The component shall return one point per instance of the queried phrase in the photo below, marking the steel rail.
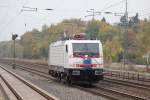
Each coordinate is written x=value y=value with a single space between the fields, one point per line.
x=91 y=91
x=37 y=89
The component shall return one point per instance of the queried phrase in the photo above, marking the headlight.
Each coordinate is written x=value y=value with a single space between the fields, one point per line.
x=98 y=72
x=75 y=72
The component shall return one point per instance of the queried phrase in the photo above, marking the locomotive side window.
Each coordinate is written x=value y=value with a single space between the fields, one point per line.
x=67 y=48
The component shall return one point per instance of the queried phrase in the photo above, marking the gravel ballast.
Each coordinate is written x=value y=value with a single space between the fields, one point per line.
x=61 y=91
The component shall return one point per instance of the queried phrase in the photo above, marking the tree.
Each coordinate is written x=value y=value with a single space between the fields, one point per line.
x=35 y=43
x=103 y=20
x=92 y=29
x=134 y=20
x=112 y=50
x=123 y=20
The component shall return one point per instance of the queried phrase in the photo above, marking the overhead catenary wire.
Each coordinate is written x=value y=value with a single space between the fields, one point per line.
x=24 y=8
x=108 y=3
x=93 y=13
x=144 y=10
x=113 y=5
x=14 y=6
x=120 y=13
x=10 y=21
x=145 y=14
x=4 y=5
x=104 y=9
x=14 y=17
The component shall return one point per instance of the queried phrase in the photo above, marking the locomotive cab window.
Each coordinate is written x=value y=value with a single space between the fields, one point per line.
x=82 y=49
x=67 y=48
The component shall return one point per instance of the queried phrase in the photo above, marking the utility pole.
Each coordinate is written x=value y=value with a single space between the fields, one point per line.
x=147 y=61
x=146 y=57
x=125 y=22
x=125 y=42
x=14 y=36
x=93 y=14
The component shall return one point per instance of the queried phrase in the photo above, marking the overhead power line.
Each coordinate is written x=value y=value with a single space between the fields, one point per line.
x=24 y=8
x=93 y=13
x=27 y=8
x=108 y=3
x=10 y=21
x=145 y=10
x=145 y=14
x=113 y=5
x=3 y=5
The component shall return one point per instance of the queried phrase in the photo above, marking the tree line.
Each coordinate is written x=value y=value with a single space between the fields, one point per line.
x=34 y=44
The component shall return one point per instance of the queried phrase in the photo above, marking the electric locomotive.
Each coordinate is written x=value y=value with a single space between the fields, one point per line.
x=76 y=60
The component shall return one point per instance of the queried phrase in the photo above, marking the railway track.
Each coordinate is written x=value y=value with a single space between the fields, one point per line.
x=44 y=68
x=18 y=88
x=98 y=90
x=119 y=94
x=29 y=67
x=108 y=93
x=121 y=82
x=114 y=95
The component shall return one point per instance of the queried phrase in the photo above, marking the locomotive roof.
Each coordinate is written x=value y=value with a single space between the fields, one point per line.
x=83 y=41
x=75 y=41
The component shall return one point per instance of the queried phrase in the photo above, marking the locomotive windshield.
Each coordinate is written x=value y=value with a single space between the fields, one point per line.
x=82 y=49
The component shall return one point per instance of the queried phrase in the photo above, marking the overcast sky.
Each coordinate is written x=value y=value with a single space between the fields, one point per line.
x=12 y=20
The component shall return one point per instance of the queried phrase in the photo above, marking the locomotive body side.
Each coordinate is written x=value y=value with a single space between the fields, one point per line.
x=57 y=56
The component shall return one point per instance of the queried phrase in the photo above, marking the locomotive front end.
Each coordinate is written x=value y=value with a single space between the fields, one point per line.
x=86 y=61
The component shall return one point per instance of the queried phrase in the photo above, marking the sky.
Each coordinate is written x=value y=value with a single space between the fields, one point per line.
x=15 y=21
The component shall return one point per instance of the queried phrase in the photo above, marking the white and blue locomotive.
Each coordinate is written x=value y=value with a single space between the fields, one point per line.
x=76 y=60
